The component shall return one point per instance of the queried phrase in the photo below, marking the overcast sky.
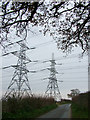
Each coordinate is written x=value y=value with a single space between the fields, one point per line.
x=74 y=67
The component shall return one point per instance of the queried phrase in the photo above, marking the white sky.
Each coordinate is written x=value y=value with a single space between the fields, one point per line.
x=75 y=69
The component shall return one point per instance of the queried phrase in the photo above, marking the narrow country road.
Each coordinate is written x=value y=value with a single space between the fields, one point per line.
x=63 y=111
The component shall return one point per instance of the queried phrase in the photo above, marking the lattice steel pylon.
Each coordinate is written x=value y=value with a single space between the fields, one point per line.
x=52 y=88
x=19 y=85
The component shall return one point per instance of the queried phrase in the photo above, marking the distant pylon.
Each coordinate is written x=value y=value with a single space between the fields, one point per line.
x=52 y=88
x=19 y=85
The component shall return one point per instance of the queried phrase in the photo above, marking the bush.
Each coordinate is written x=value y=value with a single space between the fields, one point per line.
x=26 y=104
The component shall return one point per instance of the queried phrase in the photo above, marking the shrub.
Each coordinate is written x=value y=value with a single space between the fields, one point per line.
x=26 y=104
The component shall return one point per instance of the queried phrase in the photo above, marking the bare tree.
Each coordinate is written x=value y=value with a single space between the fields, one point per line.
x=67 y=22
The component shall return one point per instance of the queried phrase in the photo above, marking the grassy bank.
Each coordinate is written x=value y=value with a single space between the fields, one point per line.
x=79 y=111
x=27 y=107
x=80 y=105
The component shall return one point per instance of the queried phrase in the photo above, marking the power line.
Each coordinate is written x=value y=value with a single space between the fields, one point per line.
x=6 y=75
x=75 y=67
x=38 y=82
x=43 y=69
x=37 y=61
x=45 y=61
x=31 y=48
x=73 y=77
x=12 y=43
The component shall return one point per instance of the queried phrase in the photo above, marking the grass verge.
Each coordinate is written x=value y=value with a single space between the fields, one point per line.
x=32 y=114
x=79 y=111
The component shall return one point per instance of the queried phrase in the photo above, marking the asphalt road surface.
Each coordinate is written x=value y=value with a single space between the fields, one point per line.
x=63 y=111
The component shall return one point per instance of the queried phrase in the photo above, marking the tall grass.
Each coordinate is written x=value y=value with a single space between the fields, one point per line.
x=15 y=107
x=80 y=105
x=79 y=111
x=82 y=99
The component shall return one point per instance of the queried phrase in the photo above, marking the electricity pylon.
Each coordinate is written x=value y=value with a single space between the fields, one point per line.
x=52 y=88
x=19 y=85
